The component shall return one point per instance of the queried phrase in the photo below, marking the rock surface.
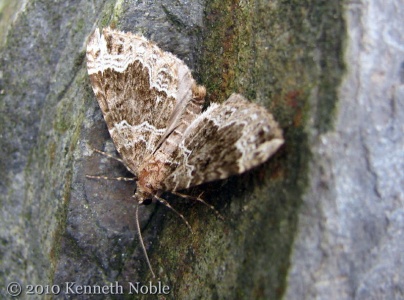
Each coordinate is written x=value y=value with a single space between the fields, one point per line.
x=349 y=241
x=323 y=219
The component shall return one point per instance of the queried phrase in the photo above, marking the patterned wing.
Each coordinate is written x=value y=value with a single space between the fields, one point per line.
x=142 y=91
x=224 y=140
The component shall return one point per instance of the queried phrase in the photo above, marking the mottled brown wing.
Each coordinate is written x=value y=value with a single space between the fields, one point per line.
x=225 y=140
x=142 y=91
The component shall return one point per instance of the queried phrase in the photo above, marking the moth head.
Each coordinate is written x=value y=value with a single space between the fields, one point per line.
x=143 y=197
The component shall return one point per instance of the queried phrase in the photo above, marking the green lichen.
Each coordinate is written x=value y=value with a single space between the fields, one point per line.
x=117 y=12
x=60 y=229
x=74 y=126
x=111 y=14
x=79 y=26
x=8 y=9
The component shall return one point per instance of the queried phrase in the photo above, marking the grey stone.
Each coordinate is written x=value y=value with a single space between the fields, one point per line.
x=349 y=242
x=323 y=219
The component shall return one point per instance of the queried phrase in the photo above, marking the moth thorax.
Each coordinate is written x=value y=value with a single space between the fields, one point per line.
x=151 y=174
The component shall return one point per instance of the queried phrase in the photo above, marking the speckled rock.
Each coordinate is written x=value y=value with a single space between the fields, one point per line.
x=323 y=219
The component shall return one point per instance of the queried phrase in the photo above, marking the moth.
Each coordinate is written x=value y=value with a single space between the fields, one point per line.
x=153 y=110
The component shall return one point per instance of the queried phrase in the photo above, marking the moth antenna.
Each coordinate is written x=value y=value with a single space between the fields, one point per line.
x=165 y=203
x=141 y=240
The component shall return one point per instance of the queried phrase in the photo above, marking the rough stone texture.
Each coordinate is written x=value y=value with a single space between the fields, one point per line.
x=42 y=108
x=323 y=219
x=349 y=241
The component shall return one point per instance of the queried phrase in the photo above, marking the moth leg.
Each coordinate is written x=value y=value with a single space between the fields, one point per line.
x=107 y=155
x=164 y=202
x=112 y=178
x=199 y=199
